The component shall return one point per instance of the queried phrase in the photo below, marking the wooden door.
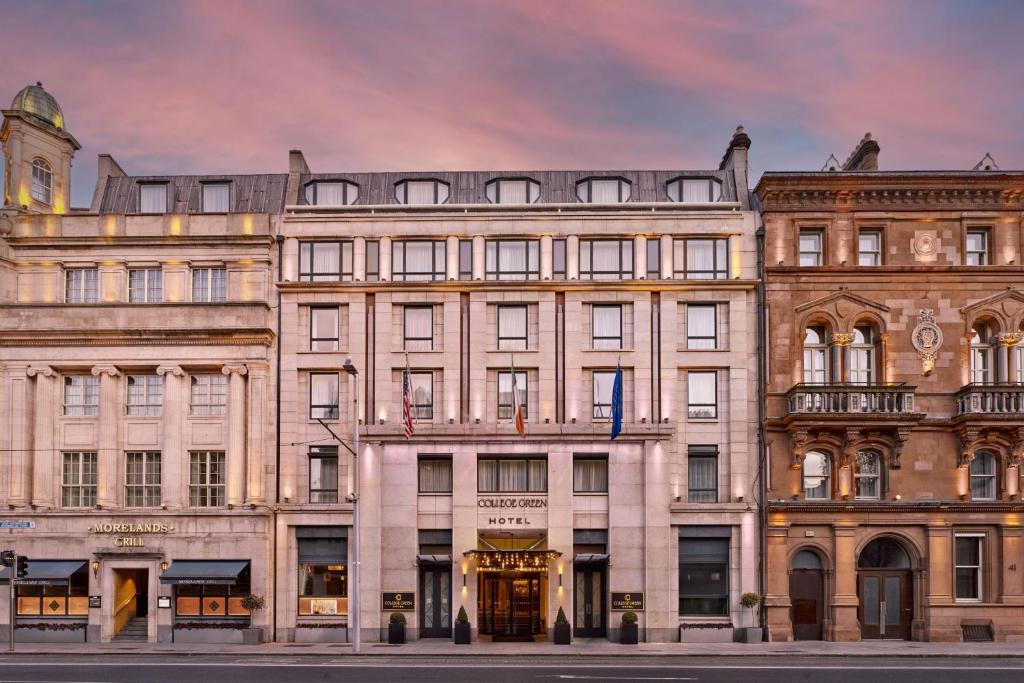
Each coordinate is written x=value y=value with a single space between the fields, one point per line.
x=886 y=605
x=807 y=595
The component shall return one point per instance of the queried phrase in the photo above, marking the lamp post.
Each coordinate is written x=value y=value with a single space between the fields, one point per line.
x=354 y=498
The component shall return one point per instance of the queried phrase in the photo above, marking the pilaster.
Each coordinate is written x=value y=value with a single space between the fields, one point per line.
x=235 y=459
x=173 y=458
x=44 y=471
x=109 y=419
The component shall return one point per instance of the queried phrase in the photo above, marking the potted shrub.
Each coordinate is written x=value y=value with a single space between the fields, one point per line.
x=563 y=632
x=252 y=635
x=751 y=634
x=462 y=633
x=630 y=633
x=396 y=629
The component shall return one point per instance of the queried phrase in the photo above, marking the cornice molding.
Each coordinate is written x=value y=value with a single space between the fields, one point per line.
x=892 y=193
x=175 y=337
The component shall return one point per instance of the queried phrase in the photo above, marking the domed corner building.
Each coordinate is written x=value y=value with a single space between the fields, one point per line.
x=38 y=152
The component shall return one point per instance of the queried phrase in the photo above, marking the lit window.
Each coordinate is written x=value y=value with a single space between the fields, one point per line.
x=977 y=248
x=869 y=248
x=81 y=395
x=418 y=261
x=153 y=198
x=811 y=247
x=968 y=567
x=323 y=396
x=418 y=192
x=81 y=285
x=145 y=285
x=323 y=474
x=606 y=327
x=323 y=328
x=694 y=190
x=206 y=479
x=145 y=394
x=209 y=285
x=983 y=476
x=867 y=476
x=606 y=259
x=142 y=479
x=512 y=260
x=325 y=261
x=331 y=193
x=603 y=191
x=512 y=328
x=216 y=197
x=42 y=181
x=513 y=191
x=702 y=394
x=78 y=480
x=701 y=326
x=702 y=259
x=816 y=475
x=209 y=394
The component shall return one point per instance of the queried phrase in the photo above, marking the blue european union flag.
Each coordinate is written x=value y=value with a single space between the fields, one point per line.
x=617 y=404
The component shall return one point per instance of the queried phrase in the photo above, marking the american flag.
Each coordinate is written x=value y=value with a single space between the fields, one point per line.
x=407 y=400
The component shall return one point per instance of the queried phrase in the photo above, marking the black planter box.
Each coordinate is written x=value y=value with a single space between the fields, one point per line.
x=462 y=633
x=629 y=635
x=396 y=634
x=563 y=634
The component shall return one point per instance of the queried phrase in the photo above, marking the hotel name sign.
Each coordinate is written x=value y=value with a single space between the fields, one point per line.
x=504 y=511
x=128 y=534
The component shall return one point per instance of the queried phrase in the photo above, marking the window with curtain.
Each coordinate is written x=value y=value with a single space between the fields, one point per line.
x=506 y=404
x=331 y=193
x=606 y=259
x=868 y=476
x=145 y=394
x=701 y=326
x=78 y=479
x=815 y=355
x=702 y=469
x=862 y=355
x=982 y=355
x=419 y=328
x=145 y=285
x=421 y=192
x=606 y=326
x=323 y=328
x=512 y=475
x=702 y=259
x=323 y=395
x=968 y=567
x=816 y=476
x=42 y=181
x=512 y=260
x=435 y=474
x=869 y=248
x=81 y=286
x=513 y=191
x=604 y=384
x=422 y=395
x=694 y=190
x=653 y=258
x=372 y=260
x=702 y=394
x=811 y=249
x=207 y=478
x=983 y=476
x=977 y=248
x=465 y=259
x=590 y=474
x=209 y=285
x=704 y=576
x=81 y=395
x=142 y=479
x=153 y=198
x=558 y=268
x=216 y=197
x=209 y=394
x=325 y=261
x=323 y=474
x=603 y=190
x=418 y=261
x=512 y=328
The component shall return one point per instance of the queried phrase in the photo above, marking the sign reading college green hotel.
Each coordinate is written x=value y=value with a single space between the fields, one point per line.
x=631 y=602
x=398 y=601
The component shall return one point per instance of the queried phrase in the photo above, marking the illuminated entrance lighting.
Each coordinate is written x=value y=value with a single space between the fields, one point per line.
x=512 y=560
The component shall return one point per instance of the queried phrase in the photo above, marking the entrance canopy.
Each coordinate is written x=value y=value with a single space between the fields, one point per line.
x=512 y=560
x=423 y=559
x=192 y=572
x=46 y=572
x=590 y=558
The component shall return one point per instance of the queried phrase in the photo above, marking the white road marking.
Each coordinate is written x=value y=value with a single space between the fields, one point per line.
x=574 y=677
x=255 y=663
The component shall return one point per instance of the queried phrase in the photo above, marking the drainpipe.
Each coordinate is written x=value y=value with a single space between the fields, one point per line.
x=279 y=238
x=762 y=449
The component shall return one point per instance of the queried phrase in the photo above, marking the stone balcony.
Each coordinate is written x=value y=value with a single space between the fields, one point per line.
x=849 y=399
x=992 y=400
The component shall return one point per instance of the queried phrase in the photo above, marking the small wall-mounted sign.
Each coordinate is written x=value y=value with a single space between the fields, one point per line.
x=95 y=601
x=398 y=601
x=163 y=602
x=633 y=602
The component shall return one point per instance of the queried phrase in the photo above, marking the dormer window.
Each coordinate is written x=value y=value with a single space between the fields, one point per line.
x=153 y=198
x=331 y=193
x=42 y=181
x=420 y=192
x=216 y=197
x=603 y=190
x=513 y=191
x=694 y=190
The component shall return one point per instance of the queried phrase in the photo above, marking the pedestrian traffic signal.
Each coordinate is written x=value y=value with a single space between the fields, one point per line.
x=21 y=570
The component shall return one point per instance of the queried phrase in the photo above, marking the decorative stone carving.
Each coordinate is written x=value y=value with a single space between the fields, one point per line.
x=927 y=339
x=237 y=368
x=842 y=338
x=1009 y=338
x=174 y=370
x=100 y=370
x=44 y=370
x=926 y=246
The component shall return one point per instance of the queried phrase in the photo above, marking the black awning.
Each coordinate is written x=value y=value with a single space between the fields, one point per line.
x=433 y=559
x=46 y=572
x=186 y=572
x=590 y=558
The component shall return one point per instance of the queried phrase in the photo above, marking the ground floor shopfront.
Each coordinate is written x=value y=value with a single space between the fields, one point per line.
x=937 y=572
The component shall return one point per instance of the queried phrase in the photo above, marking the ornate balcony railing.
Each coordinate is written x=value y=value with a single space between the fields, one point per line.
x=998 y=399
x=818 y=399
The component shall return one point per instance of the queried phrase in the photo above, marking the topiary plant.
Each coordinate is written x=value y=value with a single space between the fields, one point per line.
x=397 y=618
x=750 y=600
x=253 y=603
x=629 y=618
x=462 y=618
x=560 y=619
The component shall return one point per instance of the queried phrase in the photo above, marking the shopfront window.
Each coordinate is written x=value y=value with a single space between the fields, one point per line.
x=323 y=571
x=212 y=600
x=703 y=576
x=56 y=597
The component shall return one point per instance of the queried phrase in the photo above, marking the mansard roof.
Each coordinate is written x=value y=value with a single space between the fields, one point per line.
x=249 y=193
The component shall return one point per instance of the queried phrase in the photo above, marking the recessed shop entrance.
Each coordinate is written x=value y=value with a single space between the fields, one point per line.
x=131 y=603
x=512 y=604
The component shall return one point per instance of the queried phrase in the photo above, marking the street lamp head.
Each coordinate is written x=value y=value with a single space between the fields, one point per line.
x=349 y=367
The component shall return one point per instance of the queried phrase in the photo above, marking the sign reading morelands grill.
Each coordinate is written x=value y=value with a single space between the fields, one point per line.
x=398 y=601
x=632 y=602
x=504 y=511
x=129 y=534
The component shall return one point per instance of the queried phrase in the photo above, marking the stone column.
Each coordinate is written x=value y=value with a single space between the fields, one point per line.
x=841 y=356
x=235 y=459
x=359 y=259
x=18 y=437
x=173 y=460
x=667 y=257
x=572 y=257
x=110 y=417
x=640 y=257
x=258 y=436
x=479 y=256
x=452 y=258
x=776 y=598
x=546 y=257
x=845 y=626
x=384 y=259
x=45 y=475
x=940 y=580
x=1007 y=342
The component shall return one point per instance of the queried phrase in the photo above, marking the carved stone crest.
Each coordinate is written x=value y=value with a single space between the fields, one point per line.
x=927 y=338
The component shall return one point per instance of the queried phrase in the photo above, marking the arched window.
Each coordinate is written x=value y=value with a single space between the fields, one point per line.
x=42 y=181
x=816 y=476
x=815 y=355
x=983 y=476
x=868 y=476
x=862 y=355
x=806 y=559
x=883 y=553
x=1019 y=350
x=982 y=371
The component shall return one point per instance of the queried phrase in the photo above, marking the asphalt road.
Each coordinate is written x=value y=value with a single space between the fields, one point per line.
x=173 y=669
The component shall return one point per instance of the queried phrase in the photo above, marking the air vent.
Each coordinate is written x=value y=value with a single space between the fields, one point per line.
x=977 y=633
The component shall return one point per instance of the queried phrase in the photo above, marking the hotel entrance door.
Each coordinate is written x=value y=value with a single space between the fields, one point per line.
x=510 y=605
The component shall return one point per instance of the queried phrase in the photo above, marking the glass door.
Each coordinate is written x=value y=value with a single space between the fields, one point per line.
x=590 y=609
x=436 y=605
x=886 y=607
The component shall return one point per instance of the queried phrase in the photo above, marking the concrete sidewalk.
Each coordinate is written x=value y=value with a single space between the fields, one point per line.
x=579 y=648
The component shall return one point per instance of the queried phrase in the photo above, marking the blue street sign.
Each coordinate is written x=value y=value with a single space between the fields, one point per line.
x=17 y=524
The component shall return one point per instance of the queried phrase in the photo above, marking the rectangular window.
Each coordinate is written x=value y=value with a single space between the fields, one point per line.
x=209 y=285
x=869 y=248
x=435 y=474
x=512 y=328
x=153 y=198
x=811 y=247
x=512 y=475
x=323 y=328
x=419 y=328
x=325 y=261
x=702 y=468
x=323 y=571
x=512 y=260
x=145 y=394
x=704 y=576
x=78 y=480
x=145 y=285
x=142 y=479
x=81 y=285
x=558 y=269
x=81 y=395
x=422 y=395
x=702 y=393
x=206 y=479
x=465 y=259
x=506 y=401
x=604 y=384
x=209 y=394
x=323 y=474
x=968 y=567
x=418 y=261
x=653 y=258
x=323 y=396
x=977 y=248
x=702 y=259
x=589 y=474
x=216 y=197
x=606 y=326
x=606 y=259
x=372 y=260
x=701 y=326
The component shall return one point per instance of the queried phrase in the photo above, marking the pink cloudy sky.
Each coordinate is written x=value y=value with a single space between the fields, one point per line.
x=229 y=86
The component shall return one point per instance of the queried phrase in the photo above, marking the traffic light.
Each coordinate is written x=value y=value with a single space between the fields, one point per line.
x=7 y=558
x=21 y=570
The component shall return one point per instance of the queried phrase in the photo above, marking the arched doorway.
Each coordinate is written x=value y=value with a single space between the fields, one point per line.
x=885 y=587
x=807 y=595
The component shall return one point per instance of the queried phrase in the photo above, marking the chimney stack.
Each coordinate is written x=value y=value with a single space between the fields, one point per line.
x=864 y=156
x=735 y=159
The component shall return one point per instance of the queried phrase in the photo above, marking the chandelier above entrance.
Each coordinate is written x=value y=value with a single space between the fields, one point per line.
x=512 y=560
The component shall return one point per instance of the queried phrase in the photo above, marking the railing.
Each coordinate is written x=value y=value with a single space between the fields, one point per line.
x=890 y=399
x=1000 y=399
